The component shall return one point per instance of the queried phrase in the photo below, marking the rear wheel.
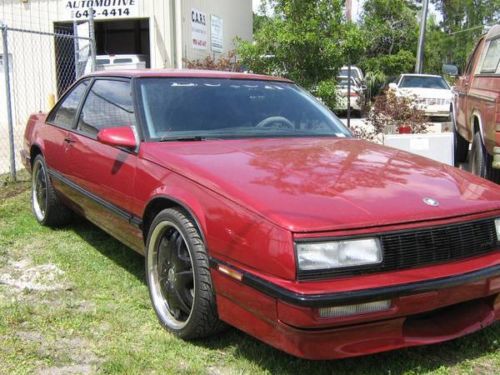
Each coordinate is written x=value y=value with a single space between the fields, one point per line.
x=461 y=146
x=178 y=276
x=480 y=165
x=45 y=203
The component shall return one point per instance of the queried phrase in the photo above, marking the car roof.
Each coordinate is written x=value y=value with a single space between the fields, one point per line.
x=493 y=32
x=420 y=75
x=185 y=73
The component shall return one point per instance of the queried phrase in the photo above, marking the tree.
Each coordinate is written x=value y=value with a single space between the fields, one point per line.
x=307 y=41
x=463 y=22
x=392 y=33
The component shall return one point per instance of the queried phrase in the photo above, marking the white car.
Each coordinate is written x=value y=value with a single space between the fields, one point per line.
x=117 y=62
x=355 y=72
x=432 y=92
x=357 y=97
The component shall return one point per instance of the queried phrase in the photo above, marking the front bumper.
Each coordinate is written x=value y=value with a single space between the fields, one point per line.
x=424 y=312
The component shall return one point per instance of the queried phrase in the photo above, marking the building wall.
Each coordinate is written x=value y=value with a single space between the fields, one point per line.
x=237 y=19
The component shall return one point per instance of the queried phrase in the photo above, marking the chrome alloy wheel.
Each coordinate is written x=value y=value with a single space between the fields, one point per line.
x=39 y=191
x=171 y=275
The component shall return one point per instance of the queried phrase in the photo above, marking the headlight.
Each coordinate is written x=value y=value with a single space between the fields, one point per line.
x=497 y=226
x=338 y=254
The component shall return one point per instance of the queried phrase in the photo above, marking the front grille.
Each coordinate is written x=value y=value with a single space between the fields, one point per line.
x=421 y=247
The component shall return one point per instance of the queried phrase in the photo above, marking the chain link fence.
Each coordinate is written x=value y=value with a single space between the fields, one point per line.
x=36 y=68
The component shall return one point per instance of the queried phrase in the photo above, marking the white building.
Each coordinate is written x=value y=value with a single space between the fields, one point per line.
x=167 y=32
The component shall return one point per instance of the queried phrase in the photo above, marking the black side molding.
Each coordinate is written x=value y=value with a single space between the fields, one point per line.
x=358 y=296
x=134 y=220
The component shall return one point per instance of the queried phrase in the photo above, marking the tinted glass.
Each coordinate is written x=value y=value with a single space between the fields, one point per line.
x=65 y=114
x=226 y=108
x=492 y=58
x=102 y=61
x=122 y=61
x=424 y=82
x=344 y=72
x=108 y=104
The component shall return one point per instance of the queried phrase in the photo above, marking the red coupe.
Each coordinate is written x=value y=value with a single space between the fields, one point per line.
x=254 y=206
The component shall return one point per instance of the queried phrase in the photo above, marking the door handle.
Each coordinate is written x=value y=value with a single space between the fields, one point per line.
x=69 y=140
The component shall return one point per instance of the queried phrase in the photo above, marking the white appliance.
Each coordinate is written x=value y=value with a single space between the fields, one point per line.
x=438 y=147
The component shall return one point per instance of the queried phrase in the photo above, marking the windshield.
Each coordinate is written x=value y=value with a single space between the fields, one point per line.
x=177 y=108
x=424 y=82
x=345 y=72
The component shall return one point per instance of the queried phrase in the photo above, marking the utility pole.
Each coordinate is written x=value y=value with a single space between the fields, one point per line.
x=92 y=39
x=421 y=38
x=348 y=16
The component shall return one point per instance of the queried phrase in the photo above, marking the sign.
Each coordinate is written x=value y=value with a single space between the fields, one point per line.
x=102 y=9
x=216 y=34
x=199 y=29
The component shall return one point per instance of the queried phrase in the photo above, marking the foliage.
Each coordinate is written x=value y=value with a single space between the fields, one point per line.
x=307 y=41
x=227 y=62
x=390 y=112
x=392 y=33
x=463 y=21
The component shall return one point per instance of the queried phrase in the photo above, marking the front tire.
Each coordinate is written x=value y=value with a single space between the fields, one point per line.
x=178 y=276
x=45 y=204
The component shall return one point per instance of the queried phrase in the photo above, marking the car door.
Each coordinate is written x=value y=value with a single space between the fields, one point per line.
x=60 y=121
x=104 y=175
x=461 y=97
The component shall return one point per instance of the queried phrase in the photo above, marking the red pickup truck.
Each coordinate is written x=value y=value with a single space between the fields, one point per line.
x=476 y=108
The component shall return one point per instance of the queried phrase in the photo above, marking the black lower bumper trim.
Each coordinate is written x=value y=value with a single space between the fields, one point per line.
x=363 y=295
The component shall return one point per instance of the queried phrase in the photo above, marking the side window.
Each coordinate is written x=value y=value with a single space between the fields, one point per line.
x=108 y=105
x=492 y=58
x=65 y=113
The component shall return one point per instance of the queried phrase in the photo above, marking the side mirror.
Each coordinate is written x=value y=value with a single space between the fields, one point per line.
x=393 y=86
x=122 y=136
x=450 y=69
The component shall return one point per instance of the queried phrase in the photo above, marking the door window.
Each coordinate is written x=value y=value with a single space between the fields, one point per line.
x=109 y=104
x=65 y=113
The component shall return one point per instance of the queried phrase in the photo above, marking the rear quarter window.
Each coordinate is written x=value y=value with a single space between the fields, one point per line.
x=490 y=63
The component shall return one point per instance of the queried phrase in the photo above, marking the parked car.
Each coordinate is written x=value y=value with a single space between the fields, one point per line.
x=356 y=98
x=431 y=92
x=356 y=72
x=254 y=206
x=117 y=62
x=476 y=108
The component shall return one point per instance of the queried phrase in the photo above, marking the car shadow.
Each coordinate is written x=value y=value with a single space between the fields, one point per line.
x=240 y=345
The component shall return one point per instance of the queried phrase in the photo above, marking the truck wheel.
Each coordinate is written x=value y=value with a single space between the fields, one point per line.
x=178 y=276
x=461 y=146
x=45 y=203
x=479 y=157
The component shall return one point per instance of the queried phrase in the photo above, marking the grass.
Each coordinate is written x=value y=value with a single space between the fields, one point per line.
x=97 y=316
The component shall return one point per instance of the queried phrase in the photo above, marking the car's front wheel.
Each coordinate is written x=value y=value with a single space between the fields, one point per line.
x=178 y=276
x=45 y=204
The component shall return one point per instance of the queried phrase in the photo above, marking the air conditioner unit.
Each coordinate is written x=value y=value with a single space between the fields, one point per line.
x=438 y=147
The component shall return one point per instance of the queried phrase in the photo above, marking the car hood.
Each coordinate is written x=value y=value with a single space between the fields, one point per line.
x=320 y=184
x=427 y=93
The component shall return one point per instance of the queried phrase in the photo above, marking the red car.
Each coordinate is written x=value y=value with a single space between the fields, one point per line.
x=254 y=206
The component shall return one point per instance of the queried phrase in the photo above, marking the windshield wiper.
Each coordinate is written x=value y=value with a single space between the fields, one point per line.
x=186 y=138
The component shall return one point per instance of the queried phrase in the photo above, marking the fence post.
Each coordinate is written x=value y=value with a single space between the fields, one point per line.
x=77 y=49
x=8 y=98
x=92 y=39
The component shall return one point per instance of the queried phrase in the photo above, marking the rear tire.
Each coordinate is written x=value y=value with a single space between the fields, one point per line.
x=178 y=277
x=46 y=205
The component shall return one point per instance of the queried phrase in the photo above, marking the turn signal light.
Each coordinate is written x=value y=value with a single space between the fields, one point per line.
x=230 y=272
x=349 y=310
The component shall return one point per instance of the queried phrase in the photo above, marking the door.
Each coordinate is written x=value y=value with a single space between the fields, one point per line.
x=461 y=91
x=56 y=134
x=104 y=175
